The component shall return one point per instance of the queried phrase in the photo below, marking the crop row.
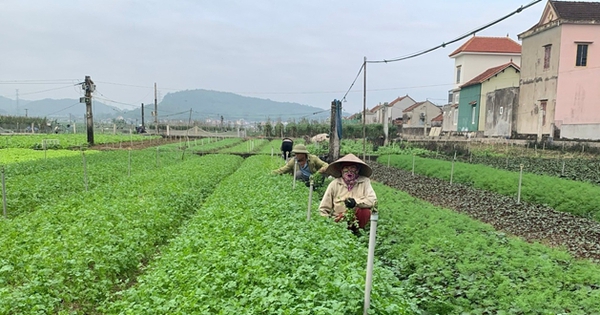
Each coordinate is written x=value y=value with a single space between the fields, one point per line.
x=250 y=146
x=68 y=256
x=250 y=250
x=36 y=183
x=574 y=197
x=65 y=141
x=457 y=265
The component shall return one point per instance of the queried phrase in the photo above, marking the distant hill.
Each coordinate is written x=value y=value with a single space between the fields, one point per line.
x=206 y=104
x=53 y=109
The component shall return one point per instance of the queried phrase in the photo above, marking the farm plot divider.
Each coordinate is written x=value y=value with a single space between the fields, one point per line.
x=69 y=255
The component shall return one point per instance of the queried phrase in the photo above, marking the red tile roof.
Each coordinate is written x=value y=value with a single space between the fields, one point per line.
x=489 y=45
x=400 y=98
x=485 y=75
x=411 y=107
x=439 y=117
x=374 y=109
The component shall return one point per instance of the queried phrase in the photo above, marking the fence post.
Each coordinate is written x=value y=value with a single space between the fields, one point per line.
x=520 y=181
x=370 y=259
x=3 y=194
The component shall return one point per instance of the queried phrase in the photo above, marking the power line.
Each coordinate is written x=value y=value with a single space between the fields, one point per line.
x=443 y=45
x=362 y=66
x=47 y=90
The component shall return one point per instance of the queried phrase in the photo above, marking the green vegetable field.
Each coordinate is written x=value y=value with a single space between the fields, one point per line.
x=164 y=230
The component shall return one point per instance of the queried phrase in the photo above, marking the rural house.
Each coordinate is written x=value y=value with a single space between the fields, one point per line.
x=417 y=118
x=473 y=96
x=479 y=54
x=560 y=74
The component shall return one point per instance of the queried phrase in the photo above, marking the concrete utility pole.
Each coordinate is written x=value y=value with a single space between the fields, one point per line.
x=142 y=115
x=88 y=86
x=365 y=109
x=385 y=123
x=155 y=110
x=334 y=140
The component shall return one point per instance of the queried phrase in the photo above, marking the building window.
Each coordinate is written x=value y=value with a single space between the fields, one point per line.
x=458 y=69
x=455 y=117
x=543 y=105
x=456 y=97
x=473 y=115
x=582 y=50
x=501 y=110
x=547 y=52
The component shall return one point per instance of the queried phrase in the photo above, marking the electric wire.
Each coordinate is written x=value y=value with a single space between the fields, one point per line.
x=443 y=45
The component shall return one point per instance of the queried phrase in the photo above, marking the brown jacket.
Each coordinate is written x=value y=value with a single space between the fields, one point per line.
x=332 y=203
x=314 y=164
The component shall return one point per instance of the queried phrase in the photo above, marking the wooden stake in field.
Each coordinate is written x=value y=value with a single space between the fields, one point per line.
x=370 y=260
x=413 y=166
x=520 y=182
x=452 y=169
x=129 y=164
x=85 y=179
x=294 y=175
x=310 y=192
x=3 y=194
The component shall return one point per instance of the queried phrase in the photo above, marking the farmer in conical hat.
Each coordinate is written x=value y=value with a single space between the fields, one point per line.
x=350 y=190
x=308 y=164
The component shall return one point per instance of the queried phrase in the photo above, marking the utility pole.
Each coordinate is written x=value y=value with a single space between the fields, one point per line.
x=155 y=110
x=365 y=109
x=88 y=86
x=385 y=123
x=17 y=102
x=142 y=116
x=25 y=112
x=334 y=140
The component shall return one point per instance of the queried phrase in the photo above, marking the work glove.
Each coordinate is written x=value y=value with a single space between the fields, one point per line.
x=350 y=203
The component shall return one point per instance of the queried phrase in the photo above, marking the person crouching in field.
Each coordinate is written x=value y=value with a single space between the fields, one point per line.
x=286 y=148
x=350 y=195
x=308 y=164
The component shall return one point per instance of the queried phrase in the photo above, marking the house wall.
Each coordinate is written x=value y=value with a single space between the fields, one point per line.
x=499 y=107
x=578 y=90
x=449 y=123
x=537 y=83
x=465 y=109
x=430 y=109
x=474 y=64
x=508 y=78
x=398 y=107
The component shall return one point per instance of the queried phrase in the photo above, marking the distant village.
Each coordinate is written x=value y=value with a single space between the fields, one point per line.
x=546 y=88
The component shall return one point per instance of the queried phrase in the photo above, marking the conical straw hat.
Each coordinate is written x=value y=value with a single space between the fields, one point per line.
x=335 y=168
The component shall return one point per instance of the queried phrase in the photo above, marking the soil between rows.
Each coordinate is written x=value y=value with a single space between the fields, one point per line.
x=531 y=222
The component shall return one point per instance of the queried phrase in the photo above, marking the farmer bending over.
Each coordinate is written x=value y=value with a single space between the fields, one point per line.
x=308 y=164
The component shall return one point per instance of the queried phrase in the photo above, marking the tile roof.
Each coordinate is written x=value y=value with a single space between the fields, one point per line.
x=376 y=108
x=489 y=45
x=400 y=98
x=439 y=117
x=411 y=107
x=485 y=75
x=577 y=10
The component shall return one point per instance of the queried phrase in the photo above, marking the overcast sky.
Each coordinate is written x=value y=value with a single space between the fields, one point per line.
x=306 y=51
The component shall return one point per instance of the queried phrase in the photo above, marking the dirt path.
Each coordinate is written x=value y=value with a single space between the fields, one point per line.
x=579 y=236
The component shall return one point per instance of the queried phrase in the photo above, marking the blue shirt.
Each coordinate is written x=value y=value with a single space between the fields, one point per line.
x=305 y=169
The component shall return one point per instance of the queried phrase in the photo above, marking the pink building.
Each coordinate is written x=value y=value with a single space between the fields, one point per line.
x=560 y=73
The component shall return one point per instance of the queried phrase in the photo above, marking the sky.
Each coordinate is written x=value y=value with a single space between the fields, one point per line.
x=306 y=52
